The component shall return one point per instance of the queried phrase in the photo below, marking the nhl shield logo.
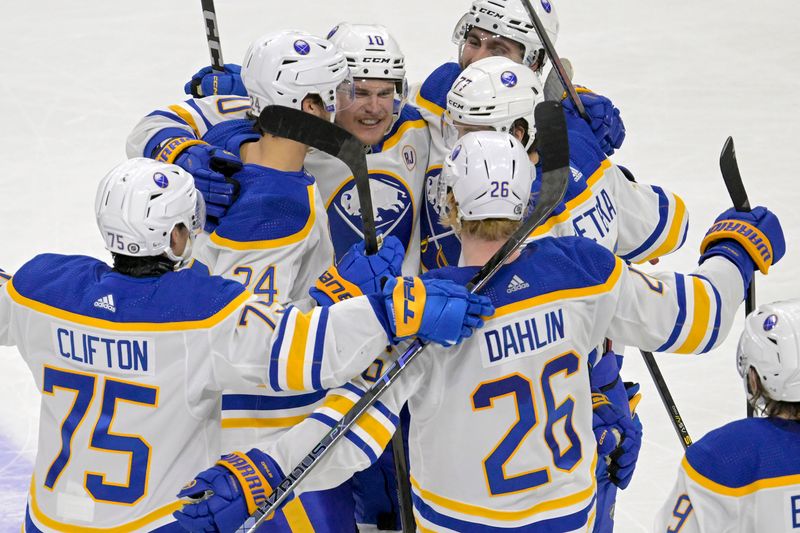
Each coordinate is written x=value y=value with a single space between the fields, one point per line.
x=409 y=157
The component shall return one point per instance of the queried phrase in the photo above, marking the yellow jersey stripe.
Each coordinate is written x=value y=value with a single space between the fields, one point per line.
x=211 y=321
x=572 y=204
x=702 y=312
x=139 y=523
x=737 y=492
x=272 y=243
x=494 y=514
x=430 y=106
x=297 y=517
x=297 y=351
x=367 y=422
x=562 y=294
x=395 y=138
x=674 y=234
x=187 y=117
x=278 y=422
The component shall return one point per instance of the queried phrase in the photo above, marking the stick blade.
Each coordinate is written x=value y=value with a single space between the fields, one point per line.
x=732 y=177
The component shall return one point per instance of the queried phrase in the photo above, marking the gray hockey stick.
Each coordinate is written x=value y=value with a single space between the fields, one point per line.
x=554 y=150
x=212 y=35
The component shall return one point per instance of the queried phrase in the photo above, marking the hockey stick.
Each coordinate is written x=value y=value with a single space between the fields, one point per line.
x=552 y=85
x=335 y=141
x=212 y=35
x=550 y=50
x=735 y=186
x=313 y=131
x=554 y=150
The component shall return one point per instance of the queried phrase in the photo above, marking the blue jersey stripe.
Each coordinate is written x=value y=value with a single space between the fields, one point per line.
x=717 y=315
x=663 y=216
x=259 y=402
x=385 y=411
x=319 y=344
x=351 y=436
x=552 y=525
x=676 y=331
x=276 y=353
x=194 y=106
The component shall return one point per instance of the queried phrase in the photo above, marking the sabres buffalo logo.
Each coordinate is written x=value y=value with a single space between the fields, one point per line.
x=392 y=204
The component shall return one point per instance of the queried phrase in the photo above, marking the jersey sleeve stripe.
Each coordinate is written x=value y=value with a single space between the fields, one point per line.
x=678 y=228
x=429 y=106
x=253 y=422
x=700 y=317
x=680 y=288
x=398 y=135
x=737 y=492
x=717 y=315
x=351 y=436
x=260 y=402
x=368 y=423
x=319 y=346
x=277 y=348
x=296 y=516
x=187 y=118
x=379 y=406
x=663 y=216
x=297 y=350
x=193 y=105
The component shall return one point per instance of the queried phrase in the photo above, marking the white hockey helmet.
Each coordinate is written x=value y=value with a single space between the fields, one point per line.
x=282 y=68
x=509 y=18
x=140 y=201
x=770 y=343
x=493 y=92
x=490 y=176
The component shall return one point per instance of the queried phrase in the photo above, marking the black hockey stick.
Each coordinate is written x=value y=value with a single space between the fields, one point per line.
x=335 y=141
x=554 y=150
x=329 y=138
x=735 y=186
x=212 y=35
x=550 y=50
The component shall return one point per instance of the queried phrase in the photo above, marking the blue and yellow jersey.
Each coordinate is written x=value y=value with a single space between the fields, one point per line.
x=131 y=372
x=743 y=477
x=514 y=399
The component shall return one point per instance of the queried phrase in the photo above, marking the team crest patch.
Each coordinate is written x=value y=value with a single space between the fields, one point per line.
x=508 y=78
x=770 y=322
x=302 y=47
x=547 y=6
x=161 y=180
x=392 y=204
x=409 y=157
x=456 y=151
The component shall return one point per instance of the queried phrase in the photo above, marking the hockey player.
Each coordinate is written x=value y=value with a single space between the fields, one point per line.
x=745 y=476
x=501 y=426
x=131 y=360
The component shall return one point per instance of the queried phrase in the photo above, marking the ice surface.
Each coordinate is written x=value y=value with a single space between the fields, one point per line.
x=78 y=75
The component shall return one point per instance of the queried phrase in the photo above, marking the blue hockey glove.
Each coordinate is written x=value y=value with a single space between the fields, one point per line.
x=750 y=240
x=223 y=496
x=436 y=310
x=212 y=169
x=619 y=438
x=604 y=118
x=208 y=82
x=358 y=273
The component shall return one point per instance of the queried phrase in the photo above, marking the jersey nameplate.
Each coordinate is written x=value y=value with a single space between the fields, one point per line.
x=522 y=338
x=121 y=354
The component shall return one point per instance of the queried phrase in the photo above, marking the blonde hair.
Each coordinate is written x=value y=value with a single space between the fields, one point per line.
x=489 y=229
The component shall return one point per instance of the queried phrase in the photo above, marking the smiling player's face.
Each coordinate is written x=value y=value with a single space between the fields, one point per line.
x=370 y=115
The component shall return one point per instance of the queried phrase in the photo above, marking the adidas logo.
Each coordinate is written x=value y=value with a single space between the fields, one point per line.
x=516 y=284
x=107 y=303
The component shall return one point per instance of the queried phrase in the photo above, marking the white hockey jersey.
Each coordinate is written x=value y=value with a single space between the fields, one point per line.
x=397 y=167
x=501 y=425
x=741 y=478
x=131 y=371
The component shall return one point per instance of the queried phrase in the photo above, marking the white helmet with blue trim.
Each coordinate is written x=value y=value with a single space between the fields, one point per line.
x=282 y=68
x=770 y=343
x=140 y=201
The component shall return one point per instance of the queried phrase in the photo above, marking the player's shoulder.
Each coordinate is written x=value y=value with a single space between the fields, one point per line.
x=736 y=456
x=436 y=86
x=83 y=288
x=274 y=208
x=410 y=128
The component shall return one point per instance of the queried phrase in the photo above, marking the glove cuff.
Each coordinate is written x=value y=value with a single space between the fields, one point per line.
x=333 y=285
x=172 y=148
x=755 y=243
x=406 y=303
x=251 y=478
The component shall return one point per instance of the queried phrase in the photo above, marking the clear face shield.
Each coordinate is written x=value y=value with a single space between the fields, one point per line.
x=344 y=97
x=195 y=228
x=452 y=130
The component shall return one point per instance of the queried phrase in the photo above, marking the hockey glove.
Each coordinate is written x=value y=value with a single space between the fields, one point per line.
x=604 y=118
x=222 y=497
x=208 y=82
x=358 y=273
x=211 y=168
x=749 y=239
x=436 y=310
x=619 y=439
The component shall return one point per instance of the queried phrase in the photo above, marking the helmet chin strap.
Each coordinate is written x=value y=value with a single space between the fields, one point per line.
x=183 y=259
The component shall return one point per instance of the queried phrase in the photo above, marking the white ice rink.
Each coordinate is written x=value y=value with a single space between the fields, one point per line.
x=686 y=74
